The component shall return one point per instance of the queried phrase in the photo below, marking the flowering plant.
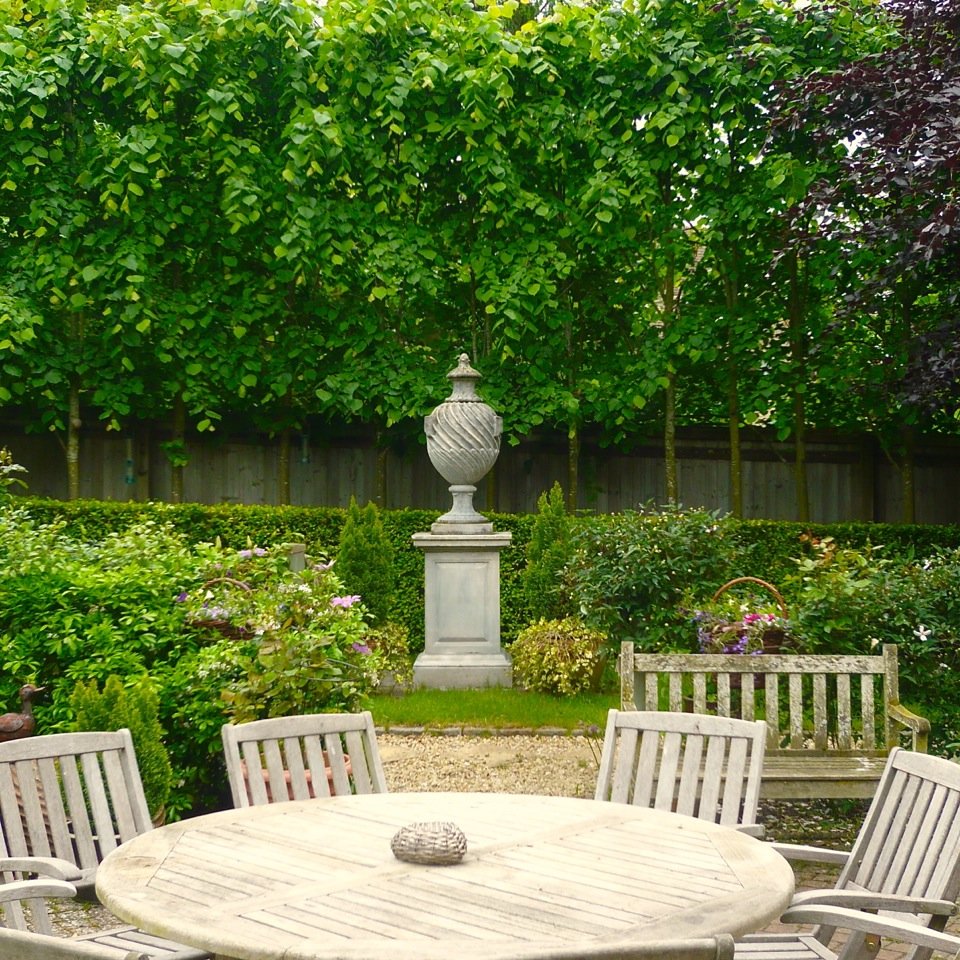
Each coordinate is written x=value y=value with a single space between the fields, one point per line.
x=294 y=641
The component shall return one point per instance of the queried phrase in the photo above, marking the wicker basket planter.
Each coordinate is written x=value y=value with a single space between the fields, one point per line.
x=433 y=843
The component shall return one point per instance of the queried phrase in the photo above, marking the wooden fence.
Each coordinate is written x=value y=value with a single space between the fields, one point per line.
x=848 y=480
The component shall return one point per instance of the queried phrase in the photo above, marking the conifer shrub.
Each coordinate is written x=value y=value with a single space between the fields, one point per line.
x=136 y=708
x=364 y=561
x=548 y=550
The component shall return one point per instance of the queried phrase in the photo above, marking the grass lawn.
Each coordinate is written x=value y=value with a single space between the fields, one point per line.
x=494 y=708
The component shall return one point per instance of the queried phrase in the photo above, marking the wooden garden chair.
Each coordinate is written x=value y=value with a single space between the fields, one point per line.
x=315 y=755
x=26 y=932
x=901 y=880
x=73 y=796
x=702 y=766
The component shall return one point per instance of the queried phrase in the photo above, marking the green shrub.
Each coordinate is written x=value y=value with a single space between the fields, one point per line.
x=76 y=611
x=390 y=644
x=632 y=571
x=559 y=657
x=548 y=552
x=194 y=712
x=134 y=707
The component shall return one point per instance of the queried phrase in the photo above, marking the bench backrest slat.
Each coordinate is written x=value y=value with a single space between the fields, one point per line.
x=827 y=702
x=869 y=715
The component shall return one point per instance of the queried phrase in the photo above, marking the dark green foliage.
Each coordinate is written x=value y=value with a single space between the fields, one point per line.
x=364 y=561
x=135 y=707
x=548 y=552
x=193 y=713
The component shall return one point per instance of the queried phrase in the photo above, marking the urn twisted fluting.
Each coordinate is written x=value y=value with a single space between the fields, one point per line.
x=463 y=441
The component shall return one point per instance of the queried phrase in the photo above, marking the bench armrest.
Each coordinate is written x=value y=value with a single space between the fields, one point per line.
x=795 y=851
x=920 y=726
x=30 y=889
x=871 y=923
x=44 y=866
x=861 y=900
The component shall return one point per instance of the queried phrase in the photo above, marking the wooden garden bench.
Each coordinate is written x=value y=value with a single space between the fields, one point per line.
x=831 y=720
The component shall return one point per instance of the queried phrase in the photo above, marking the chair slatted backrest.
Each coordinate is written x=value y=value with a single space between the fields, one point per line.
x=701 y=766
x=296 y=758
x=909 y=843
x=75 y=796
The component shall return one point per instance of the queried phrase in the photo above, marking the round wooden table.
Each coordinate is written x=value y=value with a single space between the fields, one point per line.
x=316 y=880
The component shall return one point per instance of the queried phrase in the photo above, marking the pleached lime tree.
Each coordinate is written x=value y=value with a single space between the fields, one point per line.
x=281 y=214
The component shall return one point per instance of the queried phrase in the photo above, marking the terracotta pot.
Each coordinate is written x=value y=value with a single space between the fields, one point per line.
x=286 y=777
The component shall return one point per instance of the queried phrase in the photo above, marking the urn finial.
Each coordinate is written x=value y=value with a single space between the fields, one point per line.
x=463 y=442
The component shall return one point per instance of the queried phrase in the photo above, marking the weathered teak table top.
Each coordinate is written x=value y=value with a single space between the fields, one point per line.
x=316 y=880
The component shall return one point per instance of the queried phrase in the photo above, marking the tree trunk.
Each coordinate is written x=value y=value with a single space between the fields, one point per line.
x=180 y=448
x=74 y=423
x=731 y=295
x=733 y=424
x=798 y=348
x=670 y=439
x=573 y=466
x=283 y=467
x=381 y=496
x=800 y=458
x=668 y=303
x=908 y=509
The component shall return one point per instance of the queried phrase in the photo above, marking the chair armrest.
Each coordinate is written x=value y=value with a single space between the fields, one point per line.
x=751 y=829
x=45 y=866
x=862 y=900
x=796 y=851
x=871 y=923
x=29 y=889
x=920 y=726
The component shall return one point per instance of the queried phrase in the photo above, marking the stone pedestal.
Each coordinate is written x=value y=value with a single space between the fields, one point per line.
x=462 y=615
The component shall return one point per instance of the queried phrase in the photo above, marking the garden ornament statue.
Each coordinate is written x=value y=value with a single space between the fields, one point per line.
x=461 y=551
x=463 y=442
x=14 y=726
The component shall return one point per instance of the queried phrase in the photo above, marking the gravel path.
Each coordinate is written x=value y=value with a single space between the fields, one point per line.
x=555 y=766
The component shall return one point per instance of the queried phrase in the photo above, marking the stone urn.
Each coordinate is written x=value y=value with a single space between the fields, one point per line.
x=463 y=442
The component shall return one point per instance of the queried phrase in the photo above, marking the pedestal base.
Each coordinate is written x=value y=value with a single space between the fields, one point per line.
x=463 y=672
x=462 y=611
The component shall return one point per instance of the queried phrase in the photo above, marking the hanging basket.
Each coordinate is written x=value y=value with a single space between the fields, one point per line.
x=773 y=637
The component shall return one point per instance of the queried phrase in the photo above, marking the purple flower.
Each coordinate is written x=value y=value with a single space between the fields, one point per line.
x=181 y=597
x=343 y=601
x=255 y=552
x=360 y=647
